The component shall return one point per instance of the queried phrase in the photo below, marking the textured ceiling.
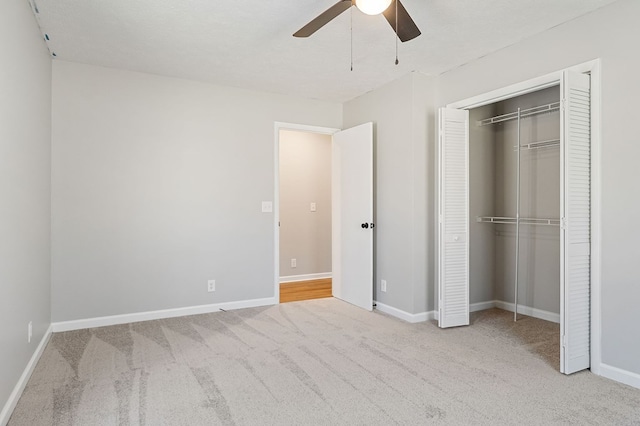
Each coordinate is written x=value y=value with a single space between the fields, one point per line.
x=249 y=43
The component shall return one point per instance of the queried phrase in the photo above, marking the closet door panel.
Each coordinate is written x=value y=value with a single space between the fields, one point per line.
x=576 y=223
x=453 y=230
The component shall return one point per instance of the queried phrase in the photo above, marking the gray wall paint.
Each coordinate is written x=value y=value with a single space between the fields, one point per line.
x=482 y=237
x=492 y=192
x=122 y=245
x=157 y=187
x=25 y=153
x=305 y=178
x=610 y=33
x=539 y=265
x=403 y=117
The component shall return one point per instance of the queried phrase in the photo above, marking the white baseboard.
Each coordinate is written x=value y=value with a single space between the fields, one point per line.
x=165 y=313
x=524 y=310
x=11 y=403
x=406 y=316
x=306 y=277
x=474 y=307
x=620 y=375
x=529 y=311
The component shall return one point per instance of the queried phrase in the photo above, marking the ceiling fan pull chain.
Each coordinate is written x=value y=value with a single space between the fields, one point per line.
x=351 y=35
x=396 y=1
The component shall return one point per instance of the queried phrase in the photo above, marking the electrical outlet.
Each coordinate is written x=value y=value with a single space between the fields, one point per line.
x=313 y=207
x=294 y=263
x=211 y=285
x=383 y=285
x=29 y=331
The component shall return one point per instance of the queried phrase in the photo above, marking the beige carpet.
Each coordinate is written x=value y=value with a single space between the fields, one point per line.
x=320 y=362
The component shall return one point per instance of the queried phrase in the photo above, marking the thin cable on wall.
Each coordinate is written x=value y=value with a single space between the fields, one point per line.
x=397 y=62
x=351 y=35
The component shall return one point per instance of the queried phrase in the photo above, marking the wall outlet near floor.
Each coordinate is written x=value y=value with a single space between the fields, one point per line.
x=211 y=285
x=313 y=207
x=383 y=285
x=29 y=331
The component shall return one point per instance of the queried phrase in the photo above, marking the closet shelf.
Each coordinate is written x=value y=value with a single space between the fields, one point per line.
x=554 y=106
x=523 y=220
x=551 y=143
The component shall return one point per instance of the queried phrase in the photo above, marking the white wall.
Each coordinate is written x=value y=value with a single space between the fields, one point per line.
x=403 y=118
x=610 y=33
x=157 y=186
x=25 y=136
x=305 y=178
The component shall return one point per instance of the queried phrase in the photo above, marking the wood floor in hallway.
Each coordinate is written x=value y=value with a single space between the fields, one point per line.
x=305 y=290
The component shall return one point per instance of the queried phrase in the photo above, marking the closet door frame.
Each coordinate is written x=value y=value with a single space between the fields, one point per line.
x=534 y=85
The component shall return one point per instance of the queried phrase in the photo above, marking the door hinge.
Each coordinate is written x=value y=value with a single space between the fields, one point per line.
x=564 y=341
x=563 y=223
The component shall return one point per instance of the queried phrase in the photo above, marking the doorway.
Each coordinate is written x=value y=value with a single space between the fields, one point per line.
x=305 y=215
x=352 y=222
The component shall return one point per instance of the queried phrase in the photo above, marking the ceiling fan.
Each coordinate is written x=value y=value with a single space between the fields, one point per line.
x=404 y=25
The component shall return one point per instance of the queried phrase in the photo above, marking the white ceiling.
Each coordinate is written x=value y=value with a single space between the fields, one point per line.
x=249 y=43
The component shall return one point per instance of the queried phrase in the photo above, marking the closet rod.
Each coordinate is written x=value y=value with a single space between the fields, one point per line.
x=554 y=106
x=551 y=143
x=523 y=220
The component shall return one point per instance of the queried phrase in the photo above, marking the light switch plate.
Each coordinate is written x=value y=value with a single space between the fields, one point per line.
x=267 y=207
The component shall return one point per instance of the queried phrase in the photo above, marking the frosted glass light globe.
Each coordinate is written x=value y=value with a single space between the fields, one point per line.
x=373 y=7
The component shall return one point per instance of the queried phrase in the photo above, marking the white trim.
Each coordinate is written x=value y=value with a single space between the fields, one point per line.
x=305 y=277
x=511 y=91
x=161 y=314
x=596 y=215
x=529 y=311
x=524 y=310
x=406 y=316
x=594 y=68
x=620 y=375
x=11 y=403
x=277 y=126
x=482 y=306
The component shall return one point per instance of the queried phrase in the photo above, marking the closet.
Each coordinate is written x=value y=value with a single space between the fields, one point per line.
x=514 y=171
x=514 y=211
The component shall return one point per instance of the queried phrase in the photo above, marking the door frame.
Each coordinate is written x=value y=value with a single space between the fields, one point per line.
x=552 y=79
x=276 y=189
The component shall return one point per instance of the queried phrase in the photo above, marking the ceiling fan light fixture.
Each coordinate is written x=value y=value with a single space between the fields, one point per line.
x=373 y=7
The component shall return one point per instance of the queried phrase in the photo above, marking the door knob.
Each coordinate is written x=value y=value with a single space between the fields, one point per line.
x=365 y=225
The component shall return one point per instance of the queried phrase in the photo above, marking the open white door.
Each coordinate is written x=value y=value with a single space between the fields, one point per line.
x=352 y=217
x=575 y=213
x=453 y=229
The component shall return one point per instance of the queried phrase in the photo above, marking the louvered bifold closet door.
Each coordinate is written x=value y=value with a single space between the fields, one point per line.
x=576 y=214
x=453 y=230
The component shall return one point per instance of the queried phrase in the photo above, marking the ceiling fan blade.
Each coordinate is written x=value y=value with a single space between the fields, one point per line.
x=323 y=19
x=407 y=29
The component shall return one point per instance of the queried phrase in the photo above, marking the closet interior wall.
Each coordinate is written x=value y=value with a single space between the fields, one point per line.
x=492 y=192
